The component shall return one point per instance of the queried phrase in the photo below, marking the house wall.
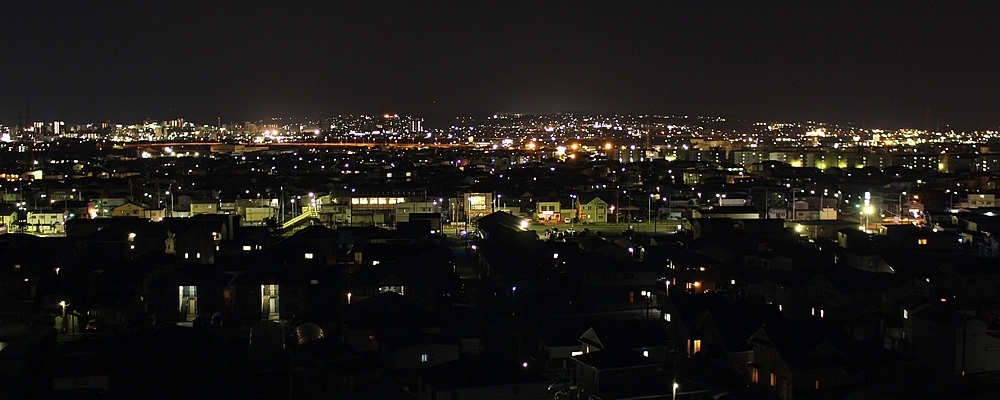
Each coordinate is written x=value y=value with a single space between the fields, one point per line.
x=410 y=357
x=246 y=302
x=768 y=361
x=195 y=246
x=204 y=208
x=127 y=210
x=521 y=391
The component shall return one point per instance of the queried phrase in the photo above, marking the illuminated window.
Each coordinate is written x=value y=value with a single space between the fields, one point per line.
x=247 y=248
x=922 y=241
x=816 y=384
x=309 y=256
x=425 y=357
x=186 y=255
x=906 y=314
x=754 y=375
x=774 y=379
x=694 y=346
x=666 y=317
x=645 y=353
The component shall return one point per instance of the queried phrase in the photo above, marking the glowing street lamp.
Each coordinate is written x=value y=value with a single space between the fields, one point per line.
x=868 y=210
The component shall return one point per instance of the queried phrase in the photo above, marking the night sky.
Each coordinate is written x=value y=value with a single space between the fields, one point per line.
x=888 y=64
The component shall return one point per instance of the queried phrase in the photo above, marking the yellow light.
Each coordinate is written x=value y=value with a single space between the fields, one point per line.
x=869 y=209
x=607 y=146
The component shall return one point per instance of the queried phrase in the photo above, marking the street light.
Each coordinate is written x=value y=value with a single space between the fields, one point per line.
x=868 y=211
x=649 y=207
x=648 y=295
x=572 y=219
x=899 y=207
x=673 y=394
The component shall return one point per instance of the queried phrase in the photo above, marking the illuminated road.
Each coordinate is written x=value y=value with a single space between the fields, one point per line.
x=134 y=145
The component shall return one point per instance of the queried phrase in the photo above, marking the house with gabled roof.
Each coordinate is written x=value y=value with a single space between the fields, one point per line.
x=795 y=360
x=646 y=338
x=592 y=209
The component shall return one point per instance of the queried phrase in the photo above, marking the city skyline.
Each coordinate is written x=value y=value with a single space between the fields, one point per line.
x=919 y=65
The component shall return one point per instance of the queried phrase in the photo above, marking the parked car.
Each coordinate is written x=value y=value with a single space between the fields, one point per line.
x=93 y=325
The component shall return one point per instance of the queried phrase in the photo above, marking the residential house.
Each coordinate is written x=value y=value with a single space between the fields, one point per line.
x=420 y=285
x=47 y=221
x=619 y=374
x=795 y=360
x=646 y=338
x=480 y=378
x=688 y=270
x=199 y=207
x=269 y=294
x=558 y=344
x=128 y=210
x=953 y=342
x=408 y=349
x=8 y=220
x=387 y=313
x=550 y=212
x=191 y=240
x=189 y=292
x=592 y=209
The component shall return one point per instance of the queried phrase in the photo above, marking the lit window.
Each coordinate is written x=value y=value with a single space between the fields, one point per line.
x=186 y=255
x=645 y=353
x=774 y=379
x=247 y=248
x=576 y=353
x=906 y=314
x=309 y=256
x=666 y=317
x=754 y=375
x=922 y=241
x=694 y=346
x=425 y=357
x=816 y=384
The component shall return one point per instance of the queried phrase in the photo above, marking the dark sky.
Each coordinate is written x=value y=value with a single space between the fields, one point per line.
x=879 y=63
